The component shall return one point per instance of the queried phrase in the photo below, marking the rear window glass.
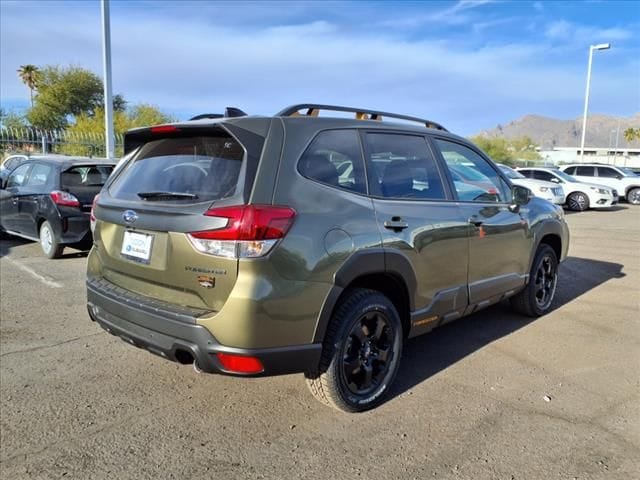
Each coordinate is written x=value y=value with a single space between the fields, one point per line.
x=195 y=168
x=85 y=176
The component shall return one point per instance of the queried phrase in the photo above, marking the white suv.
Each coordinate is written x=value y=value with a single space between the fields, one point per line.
x=621 y=179
x=579 y=195
x=548 y=190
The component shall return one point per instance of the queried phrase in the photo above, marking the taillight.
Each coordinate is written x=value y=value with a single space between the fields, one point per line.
x=64 y=199
x=251 y=231
x=92 y=217
x=239 y=363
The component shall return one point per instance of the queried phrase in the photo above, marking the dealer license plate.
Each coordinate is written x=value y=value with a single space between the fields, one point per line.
x=137 y=246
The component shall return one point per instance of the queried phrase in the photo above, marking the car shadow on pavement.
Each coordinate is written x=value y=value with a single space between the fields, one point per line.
x=429 y=354
x=613 y=208
x=6 y=244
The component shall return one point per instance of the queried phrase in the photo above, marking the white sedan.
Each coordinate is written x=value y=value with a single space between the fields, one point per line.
x=579 y=195
x=548 y=190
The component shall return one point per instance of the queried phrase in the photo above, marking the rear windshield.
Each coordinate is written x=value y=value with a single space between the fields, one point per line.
x=85 y=176
x=194 y=168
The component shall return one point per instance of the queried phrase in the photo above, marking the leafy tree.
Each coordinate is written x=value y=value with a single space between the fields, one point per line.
x=65 y=93
x=507 y=151
x=92 y=127
x=496 y=148
x=29 y=75
x=12 y=120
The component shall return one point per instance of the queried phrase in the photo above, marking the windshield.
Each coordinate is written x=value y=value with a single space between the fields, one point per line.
x=510 y=172
x=564 y=176
x=627 y=172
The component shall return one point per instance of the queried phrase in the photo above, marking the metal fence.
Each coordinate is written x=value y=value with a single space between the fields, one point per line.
x=33 y=140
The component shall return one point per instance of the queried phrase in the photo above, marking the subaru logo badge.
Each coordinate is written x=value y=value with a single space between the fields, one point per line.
x=130 y=216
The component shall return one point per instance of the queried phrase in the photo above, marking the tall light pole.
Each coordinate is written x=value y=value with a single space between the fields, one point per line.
x=106 y=62
x=600 y=46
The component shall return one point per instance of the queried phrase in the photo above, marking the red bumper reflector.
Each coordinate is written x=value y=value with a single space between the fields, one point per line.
x=239 y=363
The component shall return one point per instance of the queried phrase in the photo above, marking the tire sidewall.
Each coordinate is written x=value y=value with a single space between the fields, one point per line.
x=543 y=250
x=54 y=249
x=368 y=304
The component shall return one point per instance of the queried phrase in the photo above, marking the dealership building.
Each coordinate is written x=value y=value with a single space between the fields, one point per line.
x=624 y=157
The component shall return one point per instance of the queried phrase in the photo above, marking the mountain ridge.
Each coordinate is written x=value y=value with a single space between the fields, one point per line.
x=548 y=132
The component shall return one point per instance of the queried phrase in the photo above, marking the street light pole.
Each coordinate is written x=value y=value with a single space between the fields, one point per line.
x=601 y=46
x=106 y=62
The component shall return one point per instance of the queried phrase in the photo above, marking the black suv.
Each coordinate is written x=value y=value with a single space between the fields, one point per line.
x=49 y=199
x=300 y=243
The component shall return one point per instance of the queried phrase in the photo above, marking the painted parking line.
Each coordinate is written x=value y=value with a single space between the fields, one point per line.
x=34 y=274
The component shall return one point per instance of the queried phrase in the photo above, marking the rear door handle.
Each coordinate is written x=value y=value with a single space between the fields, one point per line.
x=396 y=224
x=474 y=220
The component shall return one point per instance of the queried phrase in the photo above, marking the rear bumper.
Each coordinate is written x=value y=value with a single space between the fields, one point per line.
x=175 y=335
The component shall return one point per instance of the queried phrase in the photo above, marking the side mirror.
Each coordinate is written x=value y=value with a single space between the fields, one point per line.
x=521 y=196
x=619 y=177
x=555 y=180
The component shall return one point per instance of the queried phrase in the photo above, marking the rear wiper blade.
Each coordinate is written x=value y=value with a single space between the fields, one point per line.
x=177 y=195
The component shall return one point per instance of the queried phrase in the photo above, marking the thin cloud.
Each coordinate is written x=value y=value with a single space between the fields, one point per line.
x=562 y=30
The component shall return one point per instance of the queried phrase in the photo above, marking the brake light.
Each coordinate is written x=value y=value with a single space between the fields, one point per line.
x=64 y=199
x=164 y=129
x=239 y=363
x=251 y=231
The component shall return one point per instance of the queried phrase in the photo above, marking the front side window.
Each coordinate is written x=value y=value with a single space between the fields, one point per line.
x=585 y=171
x=40 y=175
x=473 y=177
x=542 y=175
x=190 y=168
x=334 y=158
x=607 y=172
x=401 y=166
x=19 y=176
x=570 y=170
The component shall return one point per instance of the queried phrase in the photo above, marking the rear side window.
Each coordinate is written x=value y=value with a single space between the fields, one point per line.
x=196 y=168
x=334 y=158
x=401 y=166
x=40 y=175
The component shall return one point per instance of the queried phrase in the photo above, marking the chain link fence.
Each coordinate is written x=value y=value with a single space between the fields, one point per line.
x=35 y=141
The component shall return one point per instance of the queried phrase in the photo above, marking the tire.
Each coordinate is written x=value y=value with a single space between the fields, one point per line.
x=361 y=353
x=536 y=298
x=48 y=241
x=633 y=196
x=578 y=201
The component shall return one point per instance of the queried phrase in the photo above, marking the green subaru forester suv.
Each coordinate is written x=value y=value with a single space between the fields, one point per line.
x=301 y=242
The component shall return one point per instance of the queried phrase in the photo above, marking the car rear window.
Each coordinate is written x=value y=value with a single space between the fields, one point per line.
x=85 y=176
x=190 y=168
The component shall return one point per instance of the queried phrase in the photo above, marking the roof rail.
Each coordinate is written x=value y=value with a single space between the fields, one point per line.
x=312 y=110
x=229 y=112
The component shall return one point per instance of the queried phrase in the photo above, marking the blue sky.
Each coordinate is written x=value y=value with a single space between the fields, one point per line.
x=468 y=65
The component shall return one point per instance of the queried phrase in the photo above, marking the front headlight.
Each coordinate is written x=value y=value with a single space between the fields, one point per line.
x=544 y=189
x=604 y=192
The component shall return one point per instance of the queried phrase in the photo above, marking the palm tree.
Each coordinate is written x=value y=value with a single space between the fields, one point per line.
x=29 y=76
x=631 y=133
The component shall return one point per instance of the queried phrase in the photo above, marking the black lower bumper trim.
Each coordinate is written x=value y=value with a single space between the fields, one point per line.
x=184 y=343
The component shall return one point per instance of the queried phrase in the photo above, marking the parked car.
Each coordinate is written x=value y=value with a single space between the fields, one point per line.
x=621 y=179
x=48 y=199
x=9 y=163
x=244 y=245
x=548 y=190
x=579 y=195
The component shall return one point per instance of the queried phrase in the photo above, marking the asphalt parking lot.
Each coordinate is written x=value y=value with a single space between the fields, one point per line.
x=493 y=396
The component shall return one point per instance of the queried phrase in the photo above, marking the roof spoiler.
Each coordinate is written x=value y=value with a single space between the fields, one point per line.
x=229 y=112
